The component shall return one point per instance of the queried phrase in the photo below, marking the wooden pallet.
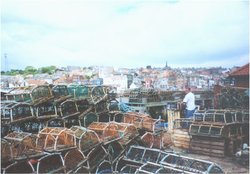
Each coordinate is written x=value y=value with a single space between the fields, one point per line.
x=208 y=146
x=181 y=138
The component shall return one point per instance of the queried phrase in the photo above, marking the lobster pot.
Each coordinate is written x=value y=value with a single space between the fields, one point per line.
x=152 y=168
x=19 y=167
x=134 y=118
x=68 y=108
x=79 y=91
x=82 y=105
x=55 y=122
x=152 y=140
x=104 y=167
x=73 y=159
x=106 y=131
x=41 y=93
x=128 y=169
x=118 y=117
x=85 y=138
x=82 y=169
x=51 y=163
x=211 y=146
x=89 y=118
x=98 y=94
x=45 y=110
x=95 y=157
x=30 y=126
x=172 y=115
x=101 y=106
x=127 y=132
x=141 y=155
x=115 y=150
x=150 y=124
x=55 y=139
x=104 y=117
x=190 y=165
x=72 y=121
x=13 y=112
x=181 y=138
x=113 y=105
x=6 y=153
x=21 y=144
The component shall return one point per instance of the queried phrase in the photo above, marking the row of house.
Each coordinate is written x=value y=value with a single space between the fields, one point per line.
x=160 y=78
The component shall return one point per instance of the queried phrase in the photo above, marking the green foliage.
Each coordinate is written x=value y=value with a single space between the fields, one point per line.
x=30 y=70
x=48 y=69
x=12 y=72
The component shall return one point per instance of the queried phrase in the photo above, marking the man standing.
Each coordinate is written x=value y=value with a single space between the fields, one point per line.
x=189 y=100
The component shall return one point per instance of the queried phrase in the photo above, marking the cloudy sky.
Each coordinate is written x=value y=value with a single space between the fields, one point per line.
x=124 y=34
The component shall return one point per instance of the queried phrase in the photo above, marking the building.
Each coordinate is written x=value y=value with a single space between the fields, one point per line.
x=240 y=76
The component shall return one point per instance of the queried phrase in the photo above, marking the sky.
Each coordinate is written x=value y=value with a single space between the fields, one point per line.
x=127 y=34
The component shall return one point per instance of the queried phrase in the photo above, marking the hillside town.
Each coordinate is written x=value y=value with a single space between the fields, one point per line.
x=165 y=78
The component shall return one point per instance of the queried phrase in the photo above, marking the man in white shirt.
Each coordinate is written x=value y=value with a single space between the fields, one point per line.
x=189 y=100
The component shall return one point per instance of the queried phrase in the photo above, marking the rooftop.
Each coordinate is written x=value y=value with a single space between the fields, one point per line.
x=242 y=71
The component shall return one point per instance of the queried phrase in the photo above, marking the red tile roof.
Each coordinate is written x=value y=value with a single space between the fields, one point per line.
x=242 y=71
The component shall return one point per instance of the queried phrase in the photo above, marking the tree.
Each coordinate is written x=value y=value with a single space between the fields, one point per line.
x=48 y=69
x=30 y=70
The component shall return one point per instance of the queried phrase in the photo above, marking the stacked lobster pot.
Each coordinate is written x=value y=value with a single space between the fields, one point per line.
x=53 y=150
x=26 y=109
x=219 y=132
x=115 y=137
x=174 y=163
x=139 y=159
x=29 y=108
x=150 y=129
x=136 y=156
